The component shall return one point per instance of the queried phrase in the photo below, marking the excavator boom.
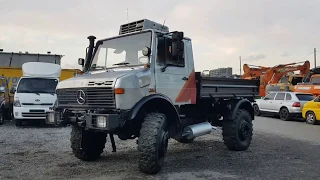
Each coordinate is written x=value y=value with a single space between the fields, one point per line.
x=274 y=74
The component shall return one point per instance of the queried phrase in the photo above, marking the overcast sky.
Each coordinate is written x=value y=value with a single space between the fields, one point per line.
x=263 y=32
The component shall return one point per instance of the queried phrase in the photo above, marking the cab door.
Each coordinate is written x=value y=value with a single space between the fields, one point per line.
x=172 y=76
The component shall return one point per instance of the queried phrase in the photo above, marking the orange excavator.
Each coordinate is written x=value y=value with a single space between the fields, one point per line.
x=310 y=83
x=253 y=71
x=274 y=74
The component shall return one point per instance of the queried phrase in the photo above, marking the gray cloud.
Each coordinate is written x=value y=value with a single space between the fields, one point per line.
x=255 y=57
x=284 y=54
x=219 y=36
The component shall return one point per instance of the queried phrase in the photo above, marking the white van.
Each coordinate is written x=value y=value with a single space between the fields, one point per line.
x=35 y=91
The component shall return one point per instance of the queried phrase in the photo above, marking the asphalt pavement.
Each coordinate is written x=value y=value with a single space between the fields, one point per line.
x=279 y=150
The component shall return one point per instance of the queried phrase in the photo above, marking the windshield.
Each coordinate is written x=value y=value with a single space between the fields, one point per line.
x=122 y=51
x=296 y=80
x=37 y=85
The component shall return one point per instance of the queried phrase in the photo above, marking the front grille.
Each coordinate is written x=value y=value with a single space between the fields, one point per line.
x=34 y=114
x=33 y=104
x=94 y=97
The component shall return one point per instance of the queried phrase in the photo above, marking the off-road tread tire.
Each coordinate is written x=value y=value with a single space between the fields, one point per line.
x=18 y=122
x=147 y=144
x=230 y=132
x=92 y=146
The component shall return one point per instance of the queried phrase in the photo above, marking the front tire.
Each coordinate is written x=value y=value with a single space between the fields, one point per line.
x=256 y=110
x=237 y=132
x=310 y=118
x=153 y=143
x=93 y=143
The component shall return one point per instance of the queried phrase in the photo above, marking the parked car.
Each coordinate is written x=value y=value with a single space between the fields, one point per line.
x=311 y=111
x=284 y=104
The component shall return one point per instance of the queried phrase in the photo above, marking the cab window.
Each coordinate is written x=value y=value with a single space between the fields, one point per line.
x=270 y=96
x=280 y=96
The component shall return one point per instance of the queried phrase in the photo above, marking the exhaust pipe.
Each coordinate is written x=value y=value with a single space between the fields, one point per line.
x=197 y=130
x=90 y=52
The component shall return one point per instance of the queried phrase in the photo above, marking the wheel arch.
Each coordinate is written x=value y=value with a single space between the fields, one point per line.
x=155 y=103
x=243 y=104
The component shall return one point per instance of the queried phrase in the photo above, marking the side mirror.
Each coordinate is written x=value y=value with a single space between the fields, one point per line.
x=12 y=90
x=81 y=61
x=177 y=49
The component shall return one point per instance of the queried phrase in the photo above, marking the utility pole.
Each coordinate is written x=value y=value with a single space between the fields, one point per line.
x=240 y=65
x=315 y=57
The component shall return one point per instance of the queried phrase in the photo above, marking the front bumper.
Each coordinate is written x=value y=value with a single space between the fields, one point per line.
x=30 y=112
x=107 y=122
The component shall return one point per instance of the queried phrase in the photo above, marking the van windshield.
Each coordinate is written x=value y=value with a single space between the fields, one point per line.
x=37 y=85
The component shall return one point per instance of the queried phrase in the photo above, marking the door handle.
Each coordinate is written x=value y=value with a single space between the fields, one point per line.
x=185 y=78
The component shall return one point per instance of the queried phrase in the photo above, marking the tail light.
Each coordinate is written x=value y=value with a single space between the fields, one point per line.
x=296 y=104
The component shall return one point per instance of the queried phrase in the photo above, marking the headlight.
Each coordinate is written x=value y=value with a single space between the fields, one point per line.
x=102 y=121
x=16 y=103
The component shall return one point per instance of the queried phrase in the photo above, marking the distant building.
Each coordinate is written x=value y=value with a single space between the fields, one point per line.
x=221 y=72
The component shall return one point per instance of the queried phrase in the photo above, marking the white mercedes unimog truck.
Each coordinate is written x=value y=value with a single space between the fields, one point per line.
x=142 y=84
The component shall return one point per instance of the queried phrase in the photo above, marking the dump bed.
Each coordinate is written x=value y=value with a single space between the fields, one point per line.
x=212 y=87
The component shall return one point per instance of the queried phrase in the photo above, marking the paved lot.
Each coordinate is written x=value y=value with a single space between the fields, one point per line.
x=280 y=150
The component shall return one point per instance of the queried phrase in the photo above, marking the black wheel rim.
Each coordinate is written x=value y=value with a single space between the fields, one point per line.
x=283 y=114
x=256 y=109
x=310 y=118
x=244 y=130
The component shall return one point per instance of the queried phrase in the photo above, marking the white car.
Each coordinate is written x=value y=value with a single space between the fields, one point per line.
x=284 y=104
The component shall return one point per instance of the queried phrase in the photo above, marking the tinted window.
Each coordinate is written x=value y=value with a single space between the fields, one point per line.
x=280 y=96
x=37 y=85
x=305 y=97
x=288 y=96
x=270 y=96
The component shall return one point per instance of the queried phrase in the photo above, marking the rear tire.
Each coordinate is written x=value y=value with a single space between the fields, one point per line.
x=18 y=122
x=237 y=132
x=153 y=143
x=93 y=143
x=310 y=118
x=284 y=114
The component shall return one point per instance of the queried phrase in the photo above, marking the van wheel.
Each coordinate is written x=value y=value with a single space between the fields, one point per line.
x=310 y=118
x=18 y=122
x=284 y=114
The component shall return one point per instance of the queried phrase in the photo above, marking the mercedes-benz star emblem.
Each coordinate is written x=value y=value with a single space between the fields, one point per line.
x=81 y=97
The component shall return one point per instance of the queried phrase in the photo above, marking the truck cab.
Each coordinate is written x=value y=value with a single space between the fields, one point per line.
x=35 y=91
x=142 y=84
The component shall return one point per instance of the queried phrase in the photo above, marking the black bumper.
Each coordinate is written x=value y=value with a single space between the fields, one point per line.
x=107 y=122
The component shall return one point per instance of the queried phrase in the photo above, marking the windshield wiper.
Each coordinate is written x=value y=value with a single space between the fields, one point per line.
x=123 y=63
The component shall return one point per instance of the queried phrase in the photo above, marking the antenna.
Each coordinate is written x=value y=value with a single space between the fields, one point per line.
x=128 y=15
x=163 y=24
